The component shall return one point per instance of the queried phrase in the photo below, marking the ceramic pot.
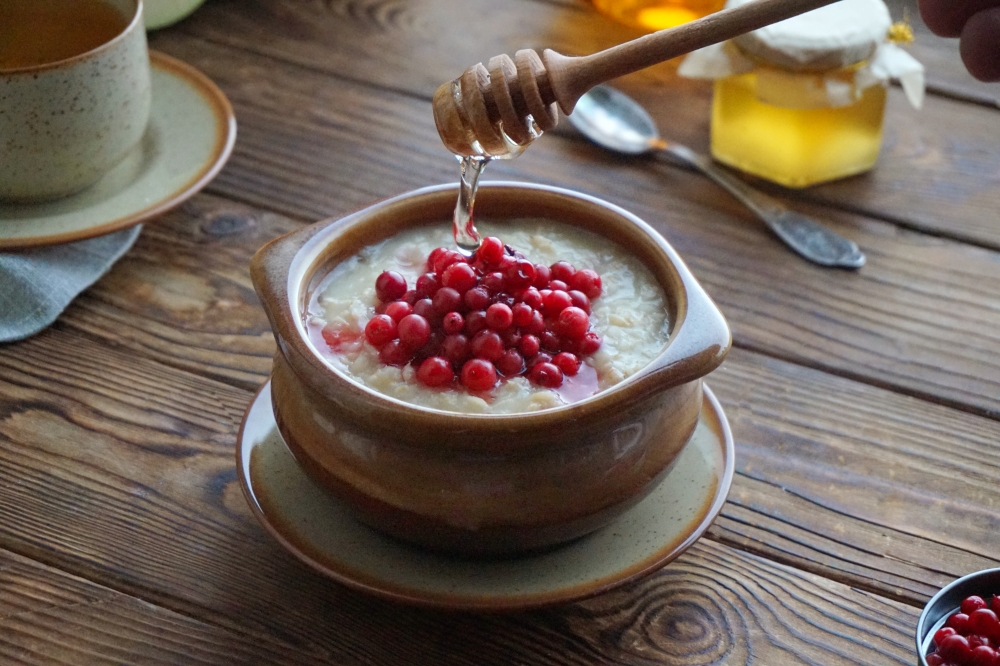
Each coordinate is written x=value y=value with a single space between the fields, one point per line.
x=65 y=124
x=484 y=484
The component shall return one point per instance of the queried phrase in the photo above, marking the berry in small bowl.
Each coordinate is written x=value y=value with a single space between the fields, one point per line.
x=960 y=625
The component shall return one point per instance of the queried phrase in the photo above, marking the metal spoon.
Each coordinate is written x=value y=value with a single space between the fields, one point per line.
x=617 y=122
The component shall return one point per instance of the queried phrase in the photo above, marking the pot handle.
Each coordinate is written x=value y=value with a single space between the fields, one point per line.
x=701 y=338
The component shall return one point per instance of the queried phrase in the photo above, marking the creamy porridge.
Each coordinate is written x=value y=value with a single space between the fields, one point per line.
x=629 y=317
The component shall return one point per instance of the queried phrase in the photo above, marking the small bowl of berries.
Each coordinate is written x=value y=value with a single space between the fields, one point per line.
x=489 y=403
x=960 y=625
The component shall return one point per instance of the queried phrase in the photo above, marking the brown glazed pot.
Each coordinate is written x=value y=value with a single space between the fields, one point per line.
x=484 y=484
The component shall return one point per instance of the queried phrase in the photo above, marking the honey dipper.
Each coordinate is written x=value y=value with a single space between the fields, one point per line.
x=470 y=111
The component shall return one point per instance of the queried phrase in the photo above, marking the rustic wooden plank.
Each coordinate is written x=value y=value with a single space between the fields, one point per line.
x=313 y=151
x=50 y=617
x=146 y=502
x=835 y=477
x=939 y=170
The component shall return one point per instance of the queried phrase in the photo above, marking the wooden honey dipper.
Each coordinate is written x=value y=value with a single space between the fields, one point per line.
x=472 y=108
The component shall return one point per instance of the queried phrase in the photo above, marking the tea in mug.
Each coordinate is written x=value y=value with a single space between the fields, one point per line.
x=38 y=32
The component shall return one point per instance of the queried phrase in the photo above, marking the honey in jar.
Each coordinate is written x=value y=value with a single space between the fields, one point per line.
x=652 y=15
x=803 y=101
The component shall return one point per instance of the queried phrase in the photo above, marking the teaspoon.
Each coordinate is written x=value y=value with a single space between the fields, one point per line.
x=615 y=121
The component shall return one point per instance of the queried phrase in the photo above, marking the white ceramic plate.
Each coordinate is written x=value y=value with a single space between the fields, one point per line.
x=190 y=136
x=321 y=532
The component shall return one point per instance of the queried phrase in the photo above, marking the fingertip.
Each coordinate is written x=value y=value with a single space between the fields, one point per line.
x=980 y=45
x=941 y=17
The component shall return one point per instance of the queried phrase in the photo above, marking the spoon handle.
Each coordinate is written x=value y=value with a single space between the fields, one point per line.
x=804 y=235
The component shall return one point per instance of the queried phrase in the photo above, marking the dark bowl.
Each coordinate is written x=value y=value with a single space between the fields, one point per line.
x=937 y=611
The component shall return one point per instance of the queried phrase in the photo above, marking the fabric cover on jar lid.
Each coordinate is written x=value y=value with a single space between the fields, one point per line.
x=825 y=58
x=832 y=37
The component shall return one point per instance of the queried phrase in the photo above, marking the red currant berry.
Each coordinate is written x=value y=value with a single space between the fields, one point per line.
x=425 y=308
x=475 y=322
x=580 y=300
x=510 y=363
x=520 y=275
x=573 y=323
x=389 y=286
x=568 y=363
x=521 y=314
x=537 y=324
x=590 y=343
x=394 y=353
x=398 y=309
x=435 y=371
x=959 y=622
x=955 y=649
x=427 y=285
x=562 y=270
x=546 y=375
x=975 y=641
x=456 y=349
x=499 y=316
x=943 y=633
x=550 y=341
x=447 y=300
x=559 y=285
x=460 y=276
x=410 y=297
x=972 y=604
x=414 y=331
x=995 y=604
x=446 y=259
x=540 y=357
x=532 y=298
x=556 y=302
x=529 y=345
x=487 y=344
x=380 y=330
x=506 y=262
x=542 y=276
x=984 y=622
x=493 y=282
x=587 y=281
x=477 y=298
x=478 y=375
x=490 y=250
x=982 y=656
x=453 y=323
x=433 y=257
x=934 y=659
x=511 y=338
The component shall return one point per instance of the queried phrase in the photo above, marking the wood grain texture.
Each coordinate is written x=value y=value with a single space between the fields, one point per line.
x=939 y=170
x=306 y=152
x=50 y=617
x=174 y=530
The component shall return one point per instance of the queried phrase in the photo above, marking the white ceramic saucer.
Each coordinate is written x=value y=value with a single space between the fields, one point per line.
x=321 y=532
x=190 y=135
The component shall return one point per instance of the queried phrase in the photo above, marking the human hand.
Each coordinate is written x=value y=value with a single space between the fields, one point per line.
x=977 y=22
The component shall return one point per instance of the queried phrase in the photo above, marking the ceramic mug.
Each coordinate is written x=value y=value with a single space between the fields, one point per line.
x=65 y=124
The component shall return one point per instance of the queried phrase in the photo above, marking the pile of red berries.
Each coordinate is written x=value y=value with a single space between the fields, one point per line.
x=480 y=319
x=970 y=637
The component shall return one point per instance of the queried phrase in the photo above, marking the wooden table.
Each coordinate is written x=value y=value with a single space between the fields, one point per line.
x=865 y=405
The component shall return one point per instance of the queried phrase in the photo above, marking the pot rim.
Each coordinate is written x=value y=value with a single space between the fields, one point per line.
x=685 y=357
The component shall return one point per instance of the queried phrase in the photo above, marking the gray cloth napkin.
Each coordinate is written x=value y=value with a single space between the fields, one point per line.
x=37 y=285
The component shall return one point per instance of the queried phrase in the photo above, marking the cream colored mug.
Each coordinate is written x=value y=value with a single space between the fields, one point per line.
x=65 y=123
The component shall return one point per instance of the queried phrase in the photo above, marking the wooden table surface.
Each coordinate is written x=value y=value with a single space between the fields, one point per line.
x=865 y=405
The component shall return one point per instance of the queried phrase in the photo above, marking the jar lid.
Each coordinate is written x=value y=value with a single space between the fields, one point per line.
x=838 y=35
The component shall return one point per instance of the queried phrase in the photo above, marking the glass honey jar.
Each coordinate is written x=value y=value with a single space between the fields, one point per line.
x=652 y=15
x=803 y=101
